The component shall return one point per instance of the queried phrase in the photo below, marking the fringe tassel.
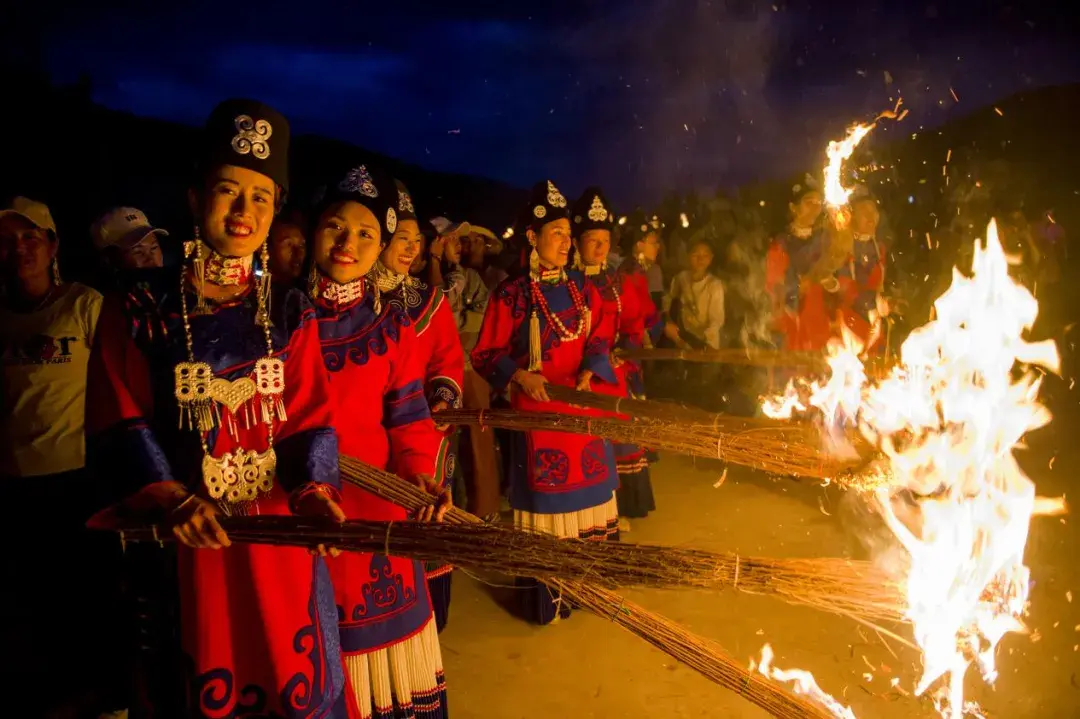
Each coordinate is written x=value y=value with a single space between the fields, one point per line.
x=588 y=324
x=536 y=352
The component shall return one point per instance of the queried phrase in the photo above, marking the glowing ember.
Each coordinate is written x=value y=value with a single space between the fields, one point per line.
x=836 y=195
x=802 y=683
x=946 y=420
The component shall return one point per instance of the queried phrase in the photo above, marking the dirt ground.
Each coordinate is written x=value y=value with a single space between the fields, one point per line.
x=498 y=666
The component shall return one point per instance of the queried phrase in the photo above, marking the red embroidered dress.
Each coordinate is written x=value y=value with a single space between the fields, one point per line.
x=800 y=319
x=554 y=472
x=382 y=418
x=258 y=622
x=862 y=279
x=439 y=354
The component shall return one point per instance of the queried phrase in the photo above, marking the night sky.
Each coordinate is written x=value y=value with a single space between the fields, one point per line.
x=639 y=96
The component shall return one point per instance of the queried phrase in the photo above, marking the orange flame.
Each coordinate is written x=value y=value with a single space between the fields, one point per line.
x=946 y=420
x=836 y=195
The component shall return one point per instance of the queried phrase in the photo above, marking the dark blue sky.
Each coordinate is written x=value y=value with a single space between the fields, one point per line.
x=639 y=96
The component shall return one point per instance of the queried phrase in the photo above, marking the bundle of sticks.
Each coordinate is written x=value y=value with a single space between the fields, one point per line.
x=836 y=585
x=749 y=357
x=649 y=410
x=736 y=356
x=788 y=449
x=702 y=655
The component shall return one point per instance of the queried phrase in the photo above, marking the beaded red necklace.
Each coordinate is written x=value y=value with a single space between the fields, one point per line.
x=553 y=319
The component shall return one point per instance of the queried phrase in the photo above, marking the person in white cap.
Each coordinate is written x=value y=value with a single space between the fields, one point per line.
x=47 y=329
x=127 y=239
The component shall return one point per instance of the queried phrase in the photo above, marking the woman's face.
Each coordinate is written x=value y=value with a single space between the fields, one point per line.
x=144 y=254
x=552 y=243
x=347 y=241
x=865 y=217
x=701 y=257
x=404 y=247
x=648 y=246
x=473 y=247
x=593 y=246
x=805 y=212
x=288 y=248
x=26 y=250
x=420 y=262
x=452 y=249
x=236 y=210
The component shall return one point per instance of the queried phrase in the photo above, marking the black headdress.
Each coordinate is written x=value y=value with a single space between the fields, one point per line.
x=368 y=185
x=405 y=209
x=546 y=204
x=248 y=134
x=592 y=211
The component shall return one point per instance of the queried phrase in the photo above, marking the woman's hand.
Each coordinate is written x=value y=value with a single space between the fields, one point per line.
x=319 y=505
x=435 y=409
x=194 y=523
x=438 y=246
x=444 y=501
x=584 y=380
x=532 y=383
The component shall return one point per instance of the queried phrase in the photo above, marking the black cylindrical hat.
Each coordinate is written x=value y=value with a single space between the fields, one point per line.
x=592 y=211
x=546 y=204
x=248 y=134
x=405 y=209
x=369 y=186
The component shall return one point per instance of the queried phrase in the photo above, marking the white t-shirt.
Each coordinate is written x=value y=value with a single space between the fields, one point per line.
x=43 y=358
x=701 y=306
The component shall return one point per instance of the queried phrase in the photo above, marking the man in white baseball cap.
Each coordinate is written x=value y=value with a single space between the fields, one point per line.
x=127 y=239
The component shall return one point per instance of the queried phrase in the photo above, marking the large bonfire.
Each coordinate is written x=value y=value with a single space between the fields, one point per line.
x=946 y=420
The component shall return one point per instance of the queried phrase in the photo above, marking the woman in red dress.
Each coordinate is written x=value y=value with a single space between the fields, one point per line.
x=626 y=305
x=438 y=354
x=238 y=360
x=800 y=317
x=862 y=276
x=548 y=326
x=371 y=353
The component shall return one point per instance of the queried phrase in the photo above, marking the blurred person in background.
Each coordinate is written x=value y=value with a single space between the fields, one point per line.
x=799 y=317
x=127 y=240
x=47 y=329
x=862 y=304
x=288 y=249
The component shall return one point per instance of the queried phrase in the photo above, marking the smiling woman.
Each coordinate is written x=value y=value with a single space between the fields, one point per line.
x=254 y=407
x=372 y=355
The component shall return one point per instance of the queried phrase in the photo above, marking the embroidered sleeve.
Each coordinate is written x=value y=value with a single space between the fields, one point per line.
x=446 y=363
x=491 y=357
x=306 y=443
x=414 y=441
x=597 y=355
x=121 y=448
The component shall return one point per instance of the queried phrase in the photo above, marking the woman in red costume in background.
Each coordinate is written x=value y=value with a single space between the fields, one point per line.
x=370 y=352
x=238 y=360
x=862 y=276
x=627 y=305
x=547 y=325
x=438 y=354
x=800 y=318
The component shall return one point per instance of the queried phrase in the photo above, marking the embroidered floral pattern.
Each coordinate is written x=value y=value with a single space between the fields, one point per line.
x=551 y=467
x=594 y=461
x=359 y=180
